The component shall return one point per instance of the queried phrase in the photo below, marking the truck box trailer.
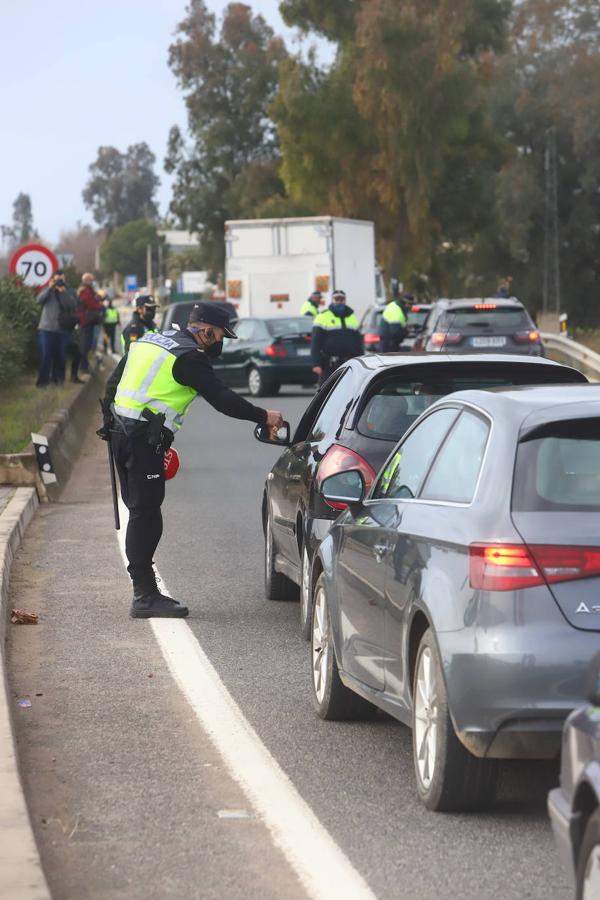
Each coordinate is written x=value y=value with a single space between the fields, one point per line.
x=272 y=265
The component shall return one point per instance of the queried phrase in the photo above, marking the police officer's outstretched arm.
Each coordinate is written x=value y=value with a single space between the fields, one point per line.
x=195 y=371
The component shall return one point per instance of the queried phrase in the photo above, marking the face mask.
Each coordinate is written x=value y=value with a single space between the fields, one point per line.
x=214 y=349
x=337 y=308
x=148 y=319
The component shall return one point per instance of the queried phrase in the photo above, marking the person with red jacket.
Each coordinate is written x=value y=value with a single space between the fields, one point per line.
x=91 y=312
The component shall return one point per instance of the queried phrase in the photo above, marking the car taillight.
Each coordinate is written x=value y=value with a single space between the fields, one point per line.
x=527 y=337
x=340 y=459
x=371 y=339
x=276 y=351
x=510 y=567
x=439 y=338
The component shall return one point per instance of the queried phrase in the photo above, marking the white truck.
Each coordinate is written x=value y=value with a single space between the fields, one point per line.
x=272 y=265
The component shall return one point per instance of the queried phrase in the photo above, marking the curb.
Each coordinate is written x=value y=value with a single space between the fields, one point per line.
x=21 y=873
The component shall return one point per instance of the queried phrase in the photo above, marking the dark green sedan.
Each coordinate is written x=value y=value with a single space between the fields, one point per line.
x=267 y=354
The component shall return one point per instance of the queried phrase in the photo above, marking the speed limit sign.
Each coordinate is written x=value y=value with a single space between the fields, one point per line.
x=33 y=264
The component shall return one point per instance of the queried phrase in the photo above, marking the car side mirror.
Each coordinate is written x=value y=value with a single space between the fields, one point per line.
x=593 y=681
x=344 y=487
x=262 y=433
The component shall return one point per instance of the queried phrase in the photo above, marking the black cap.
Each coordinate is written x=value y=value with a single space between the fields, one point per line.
x=144 y=300
x=211 y=314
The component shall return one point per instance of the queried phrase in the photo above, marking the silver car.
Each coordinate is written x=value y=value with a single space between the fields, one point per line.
x=461 y=595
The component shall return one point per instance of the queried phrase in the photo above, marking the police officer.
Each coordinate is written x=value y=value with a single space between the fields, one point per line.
x=111 y=320
x=336 y=337
x=311 y=307
x=146 y=400
x=142 y=321
x=393 y=326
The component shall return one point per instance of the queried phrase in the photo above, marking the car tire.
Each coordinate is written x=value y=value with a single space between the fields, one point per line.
x=448 y=777
x=277 y=587
x=258 y=384
x=588 y=861
x=305 y=594
x=331 y=698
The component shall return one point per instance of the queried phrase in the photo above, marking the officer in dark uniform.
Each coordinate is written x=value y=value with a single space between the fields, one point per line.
x=142 y=321
x=146 y=400
x=336 y=337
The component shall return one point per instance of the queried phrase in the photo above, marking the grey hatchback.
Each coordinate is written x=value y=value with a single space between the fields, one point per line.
x=460 y=594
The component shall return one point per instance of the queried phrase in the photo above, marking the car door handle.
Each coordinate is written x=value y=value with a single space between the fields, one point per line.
x=381 y=550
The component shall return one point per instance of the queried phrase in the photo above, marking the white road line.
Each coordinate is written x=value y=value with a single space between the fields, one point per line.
x=323 y=869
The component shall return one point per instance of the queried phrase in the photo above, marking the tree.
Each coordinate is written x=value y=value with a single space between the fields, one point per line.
x=22 y=228
x=229 y=81
x=82 y=242
x=124 y=250
x=122 y=186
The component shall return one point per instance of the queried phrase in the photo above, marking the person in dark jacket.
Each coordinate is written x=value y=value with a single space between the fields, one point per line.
x=336 y=337
x=91 y=313
x=392 y=329
x=145 y=404
x=141 y=322
x=58 y=318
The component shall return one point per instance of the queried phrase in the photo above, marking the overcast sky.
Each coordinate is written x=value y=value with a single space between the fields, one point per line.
x=74 y=76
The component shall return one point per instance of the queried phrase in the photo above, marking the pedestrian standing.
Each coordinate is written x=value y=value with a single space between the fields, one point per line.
x=392 y=330
x=57 y=321
x=146 y=400
x=111 y=320
x=312 y=305
x=336 y=337
x=90 y=318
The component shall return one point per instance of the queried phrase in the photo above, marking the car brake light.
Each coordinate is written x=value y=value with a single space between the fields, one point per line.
x=276 y=351
x=439 y=338
x=485 y=306
x=510 y=567
x=371 y=338
x=415 y=309
x=527 y=337
x=340 y=459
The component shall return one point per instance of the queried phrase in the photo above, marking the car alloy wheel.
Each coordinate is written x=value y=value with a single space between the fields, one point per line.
x=426 y=718
x=448 y=776
x=255 y=383
x=305 y=604
x=277 y=586
x=331 y=698
x=591 y=884
x=320 y=645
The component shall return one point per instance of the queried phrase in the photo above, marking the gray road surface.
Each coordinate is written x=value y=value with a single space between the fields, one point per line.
x=121 y=750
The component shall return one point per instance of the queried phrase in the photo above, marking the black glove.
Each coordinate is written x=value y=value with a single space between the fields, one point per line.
x=108 y=421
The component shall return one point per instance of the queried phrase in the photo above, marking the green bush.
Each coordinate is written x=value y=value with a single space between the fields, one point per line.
x=19 y=316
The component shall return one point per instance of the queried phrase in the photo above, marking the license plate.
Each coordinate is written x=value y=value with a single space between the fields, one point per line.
x=488 y=341
x=303 y=351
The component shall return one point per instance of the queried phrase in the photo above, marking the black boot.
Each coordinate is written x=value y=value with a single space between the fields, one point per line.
x=148 y=603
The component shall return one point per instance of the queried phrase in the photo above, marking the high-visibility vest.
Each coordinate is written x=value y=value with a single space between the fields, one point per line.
x=111 y=315
x=394 y=314
x=330 y=322
x=309 y=309
x=147 y=381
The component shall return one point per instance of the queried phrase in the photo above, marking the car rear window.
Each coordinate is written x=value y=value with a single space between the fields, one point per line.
x=558 y=468
x=416 y=318
x=289 y=326
x=391 y=411
x=486 y=319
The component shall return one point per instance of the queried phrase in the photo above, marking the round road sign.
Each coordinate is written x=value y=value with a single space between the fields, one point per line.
x=33 y=264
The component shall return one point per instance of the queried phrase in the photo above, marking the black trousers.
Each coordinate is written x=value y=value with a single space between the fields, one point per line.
x=142 y=479
x=110 y=329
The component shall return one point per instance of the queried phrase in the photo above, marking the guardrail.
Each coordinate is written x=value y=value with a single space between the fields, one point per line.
x=575 y=353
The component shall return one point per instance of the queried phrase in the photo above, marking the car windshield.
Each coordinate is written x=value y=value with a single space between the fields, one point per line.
x=558 y=468
x=290 y=327
x=397 y=404
x=488 y=319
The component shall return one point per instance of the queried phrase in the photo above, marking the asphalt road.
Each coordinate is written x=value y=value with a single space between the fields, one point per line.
x=357 y=777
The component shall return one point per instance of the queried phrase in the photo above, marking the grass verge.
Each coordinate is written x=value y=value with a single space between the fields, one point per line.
x=25 y=408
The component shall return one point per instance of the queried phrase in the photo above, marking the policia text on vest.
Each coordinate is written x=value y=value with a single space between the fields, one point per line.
x=160 y=376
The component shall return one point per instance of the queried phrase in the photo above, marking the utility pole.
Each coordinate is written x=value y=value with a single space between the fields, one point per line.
x=551 y=236
x=149 y=267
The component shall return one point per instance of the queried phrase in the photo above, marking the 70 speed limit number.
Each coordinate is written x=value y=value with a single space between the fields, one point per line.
x=33 y=264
